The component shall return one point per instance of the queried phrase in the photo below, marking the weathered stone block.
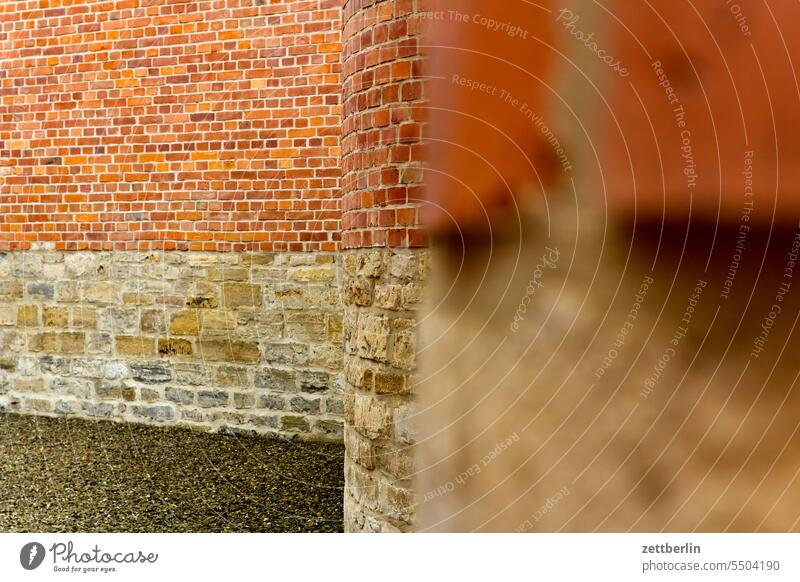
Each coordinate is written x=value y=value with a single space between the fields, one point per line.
x=191 y=374
x=272 y=401
x=119 y=319
x=72 y=342
x=359 y=449
x=241 y=295
x=54 y=365
x=84 y=317
x=388 y=296
x=104 y=292
x=232 y=376
x=151 y=372
x=306 y=327
x=87 y=368
x=317 y=273
x=99 y=409
x=179 y=395
x=371 y=264
x=159 y=413
x=358 y=292
x=99 y=343
x=185 y=323
x=78 y=265
x=304 y=405
x=8 y=315
x=29 y=385
x=371 y=417
x=295 y=423
x=28 y=315
x=55 y=317
x=286 y=353
x=150 y=394
x=223 y=274
x=314 y=381
x=41 y=291
x=77 y=387
x=202 y=302
x=153 y=321
x=68 y=291
x=276 y=379
x=174 y=347
x=207 y=398
x=10 y=290
x=262 y=420
x=329 y=427
x=244 y=400
x=135 y=346
x=372 y=336
x=404 y=353
x=389 y=383
x=114 y=390
x=335 y=328
x=43 y=342
x=218 y=323
x=229 y=351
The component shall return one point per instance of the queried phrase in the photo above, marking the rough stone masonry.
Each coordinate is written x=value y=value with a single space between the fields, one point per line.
x=245 y=342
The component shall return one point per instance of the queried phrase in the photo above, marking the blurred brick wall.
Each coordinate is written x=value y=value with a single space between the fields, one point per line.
x=170 y=124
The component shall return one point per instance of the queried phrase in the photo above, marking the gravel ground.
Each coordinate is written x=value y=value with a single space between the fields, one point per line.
x=68 y=475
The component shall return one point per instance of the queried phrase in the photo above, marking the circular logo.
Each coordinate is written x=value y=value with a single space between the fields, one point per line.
x=31 y=555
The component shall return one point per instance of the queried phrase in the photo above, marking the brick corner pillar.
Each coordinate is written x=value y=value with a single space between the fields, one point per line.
x=384 y=257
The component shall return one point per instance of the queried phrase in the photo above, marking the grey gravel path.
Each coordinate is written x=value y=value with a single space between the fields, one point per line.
x=68 y=475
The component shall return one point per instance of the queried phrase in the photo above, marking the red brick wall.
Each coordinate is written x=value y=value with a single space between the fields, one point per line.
x=171 y=124
x=383 y=113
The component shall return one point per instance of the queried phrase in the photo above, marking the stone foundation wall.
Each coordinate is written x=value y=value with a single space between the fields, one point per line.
x=214 y=341
x=383 y=291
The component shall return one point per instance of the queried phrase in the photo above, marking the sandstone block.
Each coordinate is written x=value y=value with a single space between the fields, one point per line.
x=28 y=315
x=73 y=342
x=134 y=345
x=174 y=347
x=241 y=295
x=372 y=417
x=153 y=321
x=372 y=336
x=55 y=317
x=229 y=351
x=185 y=323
